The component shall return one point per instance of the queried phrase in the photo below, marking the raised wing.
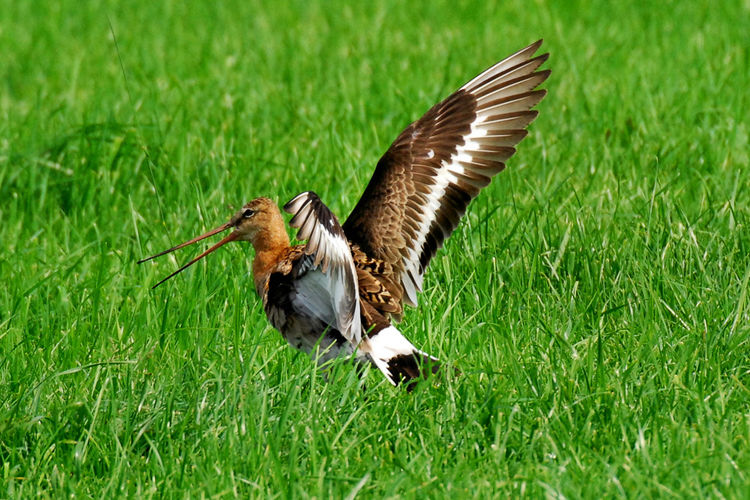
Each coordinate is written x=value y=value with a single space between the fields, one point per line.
x=328 y=285
x=424 y=182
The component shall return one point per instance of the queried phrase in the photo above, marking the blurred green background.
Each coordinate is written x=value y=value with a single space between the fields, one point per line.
x=595 y=297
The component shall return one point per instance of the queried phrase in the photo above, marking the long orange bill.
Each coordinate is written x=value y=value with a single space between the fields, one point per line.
x=230 y=237
x=219 y=229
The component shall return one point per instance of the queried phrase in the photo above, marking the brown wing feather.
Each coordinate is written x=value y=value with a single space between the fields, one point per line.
x=422 y=185
x=376 y=285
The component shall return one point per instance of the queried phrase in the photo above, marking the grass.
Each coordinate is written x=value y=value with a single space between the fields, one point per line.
x=595 y=297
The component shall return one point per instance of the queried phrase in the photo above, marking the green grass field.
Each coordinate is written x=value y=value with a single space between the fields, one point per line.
x=595 y=297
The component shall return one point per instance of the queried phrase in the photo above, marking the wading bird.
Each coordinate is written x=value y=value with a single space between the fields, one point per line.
x=341 y=292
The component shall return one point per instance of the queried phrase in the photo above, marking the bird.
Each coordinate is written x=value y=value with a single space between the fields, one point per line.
x=342 y=293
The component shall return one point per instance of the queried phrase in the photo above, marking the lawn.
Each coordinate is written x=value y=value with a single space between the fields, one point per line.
x=596 y=297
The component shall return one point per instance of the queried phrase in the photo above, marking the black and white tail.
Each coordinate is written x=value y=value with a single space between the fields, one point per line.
x=397 y=358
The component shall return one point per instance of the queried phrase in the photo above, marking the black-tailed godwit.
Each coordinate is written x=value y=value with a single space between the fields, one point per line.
x=341 y=292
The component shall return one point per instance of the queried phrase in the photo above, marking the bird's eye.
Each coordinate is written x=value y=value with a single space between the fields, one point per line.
x=248 y=213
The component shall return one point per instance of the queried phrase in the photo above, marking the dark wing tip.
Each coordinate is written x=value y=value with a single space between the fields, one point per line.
x=293 y=205
x=529 y=50
x=544 y=74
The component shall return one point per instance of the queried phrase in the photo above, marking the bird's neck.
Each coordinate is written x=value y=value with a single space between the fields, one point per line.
x=270 y=245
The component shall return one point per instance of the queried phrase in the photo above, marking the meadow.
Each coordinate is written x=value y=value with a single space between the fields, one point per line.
x=595 y=297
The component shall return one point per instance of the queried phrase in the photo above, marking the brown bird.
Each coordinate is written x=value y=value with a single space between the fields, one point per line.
x=341 y=292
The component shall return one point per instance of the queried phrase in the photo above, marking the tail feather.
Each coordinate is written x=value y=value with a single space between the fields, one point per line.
x=398 y=359
x=409 y=369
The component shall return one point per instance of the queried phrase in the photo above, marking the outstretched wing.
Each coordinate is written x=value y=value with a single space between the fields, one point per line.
x=328 y=285
x=424 y=182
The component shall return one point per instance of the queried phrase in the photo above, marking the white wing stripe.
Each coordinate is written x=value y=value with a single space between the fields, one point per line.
x=481 y=135
x=330 y=288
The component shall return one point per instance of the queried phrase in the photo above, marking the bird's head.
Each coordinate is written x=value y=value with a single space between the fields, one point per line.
x=258 y=222
x=254 y=220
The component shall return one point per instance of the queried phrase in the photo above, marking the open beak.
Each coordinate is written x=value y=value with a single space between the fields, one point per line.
x=230 y=237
